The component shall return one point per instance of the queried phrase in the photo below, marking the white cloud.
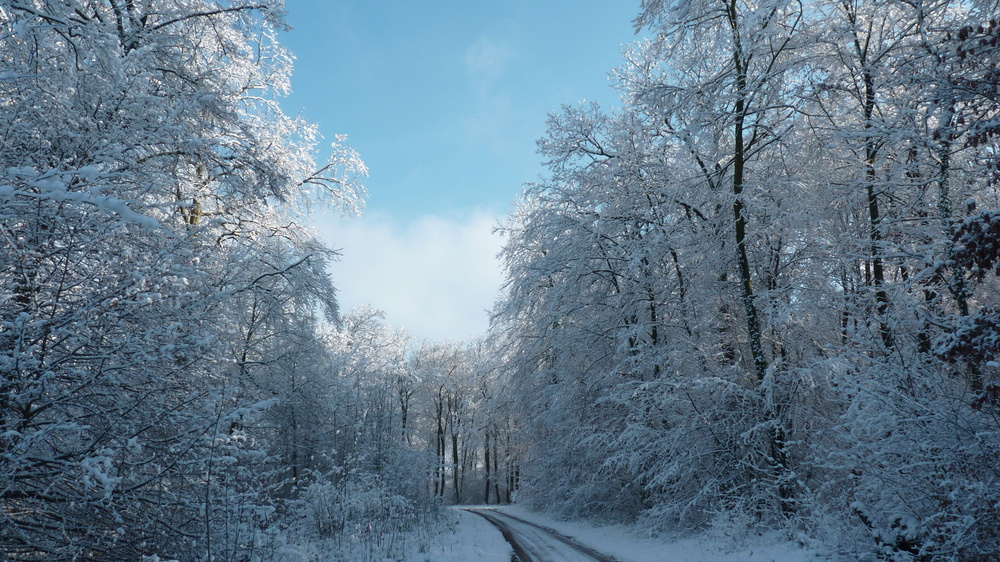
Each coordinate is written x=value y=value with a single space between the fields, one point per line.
x=486 y=63
x=486 y=60
x=435 y=277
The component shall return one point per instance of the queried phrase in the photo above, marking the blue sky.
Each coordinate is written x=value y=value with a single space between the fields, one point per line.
x=444 y=100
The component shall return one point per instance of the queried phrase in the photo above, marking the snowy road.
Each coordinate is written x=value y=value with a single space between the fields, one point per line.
x=536 y=544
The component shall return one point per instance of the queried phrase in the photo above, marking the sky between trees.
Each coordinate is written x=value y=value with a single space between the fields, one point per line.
x=444 y=101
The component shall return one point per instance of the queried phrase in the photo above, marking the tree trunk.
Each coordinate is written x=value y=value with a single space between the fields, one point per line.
x=486 y=463
x=875 y=229
x=958 y=286
x=496 y=468
x=739 y=209
x=439 y=440
x=455 y=467
x=777 y=442
x=877 y=270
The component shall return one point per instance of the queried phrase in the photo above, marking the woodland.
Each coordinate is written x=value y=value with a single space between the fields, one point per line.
x=760 y=293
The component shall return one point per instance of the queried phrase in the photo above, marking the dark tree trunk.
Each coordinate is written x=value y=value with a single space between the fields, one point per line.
x=486 y=463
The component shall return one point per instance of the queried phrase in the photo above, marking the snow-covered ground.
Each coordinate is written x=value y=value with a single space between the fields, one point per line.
x=475 y=539
x=472 y=539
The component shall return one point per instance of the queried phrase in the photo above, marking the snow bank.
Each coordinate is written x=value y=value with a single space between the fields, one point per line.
x=472 y=538
x=625 y=543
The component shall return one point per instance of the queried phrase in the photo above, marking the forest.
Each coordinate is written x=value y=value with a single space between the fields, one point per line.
x=762 y=292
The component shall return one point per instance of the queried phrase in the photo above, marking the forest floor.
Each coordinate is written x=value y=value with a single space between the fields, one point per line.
x=473 y=538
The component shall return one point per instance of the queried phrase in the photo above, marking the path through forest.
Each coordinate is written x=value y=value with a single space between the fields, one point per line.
x=533 y=543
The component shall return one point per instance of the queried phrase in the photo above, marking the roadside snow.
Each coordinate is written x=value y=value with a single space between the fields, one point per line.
x=473 y=538
x=623 y=543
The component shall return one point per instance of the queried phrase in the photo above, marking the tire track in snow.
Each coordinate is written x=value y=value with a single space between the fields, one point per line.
x=533 y=543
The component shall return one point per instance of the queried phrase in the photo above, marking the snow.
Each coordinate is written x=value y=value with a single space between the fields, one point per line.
x=97 y=471
x=474 y=538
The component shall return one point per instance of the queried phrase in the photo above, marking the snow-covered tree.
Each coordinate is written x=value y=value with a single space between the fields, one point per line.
x=143 y=158
x=751 y=288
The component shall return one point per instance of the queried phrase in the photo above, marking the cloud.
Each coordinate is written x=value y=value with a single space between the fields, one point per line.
x=486 y=60
x=486 y=64
x=435 y=277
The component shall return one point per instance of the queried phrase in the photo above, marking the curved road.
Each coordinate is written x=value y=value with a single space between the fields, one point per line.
x=537 y=544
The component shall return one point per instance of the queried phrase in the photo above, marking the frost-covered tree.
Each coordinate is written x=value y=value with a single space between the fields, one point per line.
x=659 y=259
x=143 y=156
x=896 y=130
x=363 y=482
x=753 y=290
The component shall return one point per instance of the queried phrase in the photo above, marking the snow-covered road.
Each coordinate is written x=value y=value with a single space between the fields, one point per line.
x=532 y=543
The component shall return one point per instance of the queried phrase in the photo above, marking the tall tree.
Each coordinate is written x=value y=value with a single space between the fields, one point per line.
x=142 y=155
